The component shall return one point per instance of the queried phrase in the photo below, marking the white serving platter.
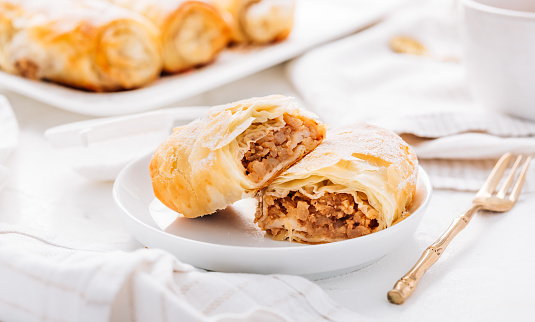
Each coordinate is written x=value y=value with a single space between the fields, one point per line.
x=316 y=22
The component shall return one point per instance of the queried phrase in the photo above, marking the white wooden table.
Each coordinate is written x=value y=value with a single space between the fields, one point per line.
x=486 y=274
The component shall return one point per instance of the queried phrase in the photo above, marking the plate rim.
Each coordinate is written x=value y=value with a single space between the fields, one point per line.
x=299 y=247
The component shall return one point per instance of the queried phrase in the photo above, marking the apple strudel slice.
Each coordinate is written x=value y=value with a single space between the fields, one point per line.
x=238 y=149
x=360 y=180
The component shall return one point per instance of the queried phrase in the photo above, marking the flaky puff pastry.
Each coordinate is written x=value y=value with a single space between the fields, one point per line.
x=361 y=179
x=92 y=45
x=258 y=21
x=192 y=33
x=231 y=154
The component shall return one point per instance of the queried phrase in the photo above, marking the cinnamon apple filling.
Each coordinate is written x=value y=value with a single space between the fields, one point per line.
x=333 y=216
x=280 y=147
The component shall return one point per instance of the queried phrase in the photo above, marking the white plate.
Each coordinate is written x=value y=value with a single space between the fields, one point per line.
x=316 y=22
x=228 y=241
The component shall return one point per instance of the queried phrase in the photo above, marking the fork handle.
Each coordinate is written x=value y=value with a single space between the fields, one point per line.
x=406 y=285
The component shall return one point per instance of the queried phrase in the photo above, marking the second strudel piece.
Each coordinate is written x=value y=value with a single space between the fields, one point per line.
x=360 y=180
x=236 y=150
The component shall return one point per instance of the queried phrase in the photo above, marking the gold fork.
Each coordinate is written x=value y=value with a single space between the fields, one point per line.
x=485 y=199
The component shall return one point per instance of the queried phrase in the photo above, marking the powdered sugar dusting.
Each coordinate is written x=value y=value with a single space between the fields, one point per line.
x=66 y=15
x=197 y=170
x=206 y=162
x=226 y=122
x=348 y=143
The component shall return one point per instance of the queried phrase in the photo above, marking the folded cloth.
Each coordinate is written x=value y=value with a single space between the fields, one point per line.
x=459 y=149
x=423 y=98
x=45 y=278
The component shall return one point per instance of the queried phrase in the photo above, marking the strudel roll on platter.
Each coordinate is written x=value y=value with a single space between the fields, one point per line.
x=360 y=180
x=192 y=33
x=90 y=45
x=232 y=153
x=258 y=21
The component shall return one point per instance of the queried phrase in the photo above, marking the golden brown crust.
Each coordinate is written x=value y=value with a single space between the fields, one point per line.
x=93 y=46
x=192 y=33
x=211 y=40
x=257 y=21
x=199 y=168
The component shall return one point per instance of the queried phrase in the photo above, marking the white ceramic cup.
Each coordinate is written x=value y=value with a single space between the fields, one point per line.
x=499 y=54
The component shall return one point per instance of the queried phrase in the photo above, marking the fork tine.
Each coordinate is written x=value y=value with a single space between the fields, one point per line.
x=494 y=178
x=509 y=180
x=518 y=186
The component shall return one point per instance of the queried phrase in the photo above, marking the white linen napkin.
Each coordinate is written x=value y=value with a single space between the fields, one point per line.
x=425 y=99
x=9 y=137
x=459 y=149
x=45 y=278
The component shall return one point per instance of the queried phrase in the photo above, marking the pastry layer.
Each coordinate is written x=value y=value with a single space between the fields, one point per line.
x=257 y=21
x=192 y=32
x=361 y=179
x=90 y=45
x=267 y=20
x=200 y=167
